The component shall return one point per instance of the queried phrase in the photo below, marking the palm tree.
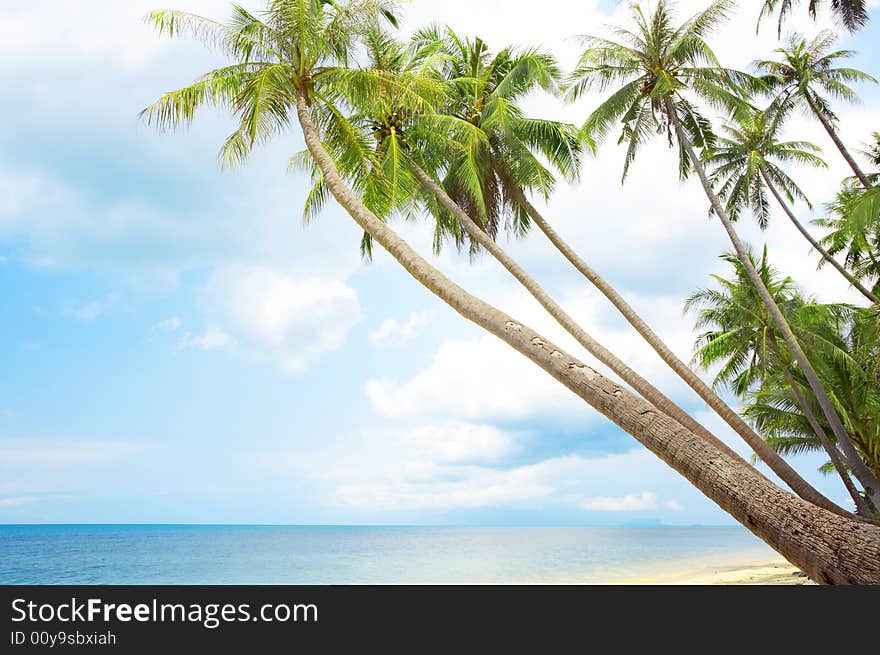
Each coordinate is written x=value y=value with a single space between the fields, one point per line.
x=477 y=168
x=850 y=346
x=746 y=168
x=491 y=174
x=873 y=151
x=852 y=14
x=805 y=72
x=740 y=338
x=380 y=129
x=660 y=67
x=498 y=148
x=829 y=548
x=854 y=229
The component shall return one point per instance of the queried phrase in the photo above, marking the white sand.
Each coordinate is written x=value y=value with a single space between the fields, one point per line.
x=761 y=572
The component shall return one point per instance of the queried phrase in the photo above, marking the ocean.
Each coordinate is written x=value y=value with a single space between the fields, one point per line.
x=147 y=554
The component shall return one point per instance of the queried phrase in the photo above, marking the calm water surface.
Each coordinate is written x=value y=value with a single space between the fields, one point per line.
x=74 y=554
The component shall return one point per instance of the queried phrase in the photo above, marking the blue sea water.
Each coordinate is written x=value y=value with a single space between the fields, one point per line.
x=114 y=554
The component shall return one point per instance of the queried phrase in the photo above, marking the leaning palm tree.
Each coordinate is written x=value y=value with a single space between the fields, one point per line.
x=491 y=174
x=492 y=87
x=740 y=341
x=849 y=344
x=852 y=14
x=807 y=70
x=746 y=166
x=829 y=548
x=663 y=70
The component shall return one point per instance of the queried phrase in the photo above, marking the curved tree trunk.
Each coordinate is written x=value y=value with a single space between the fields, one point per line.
x=839 y=144
x=637 y=382
x=760 y=447
x=831 y=549
x=816 y=245
x=867 y=479
x=829 y=447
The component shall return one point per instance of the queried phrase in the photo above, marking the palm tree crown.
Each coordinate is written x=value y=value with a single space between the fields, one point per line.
x=293 y=49
x=749 y=152
x=655 y=63
x=808 y=69
x=852 y=14
x=853 y=224
x=449 y=107
x=805 y=74
x=371 y=142
x=500 y=148
x=873 y=151
x=745 y=171
x=741 y=337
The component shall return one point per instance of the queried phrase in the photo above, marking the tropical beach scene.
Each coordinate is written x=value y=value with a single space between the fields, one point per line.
x=379 y=292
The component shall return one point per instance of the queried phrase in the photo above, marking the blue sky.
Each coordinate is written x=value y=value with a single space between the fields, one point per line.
x=177 y=347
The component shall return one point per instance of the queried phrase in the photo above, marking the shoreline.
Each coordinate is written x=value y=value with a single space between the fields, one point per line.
x=764 y=571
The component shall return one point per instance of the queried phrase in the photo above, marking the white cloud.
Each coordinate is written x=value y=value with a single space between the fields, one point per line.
x=60 y=227
x=484 y=379
x=461 y=442
x=391 y=332
x=569 y=481
x=91 y=310
x=17 y=501
x=647 y=500
x=212 y=339
x=133 y=236
x=53 y=453
x=478 y=487
x=476 y=379
x=19 y=191
x=418 y=453
x=275 y=317
x=114 y=35
x=172 y=324
x=629 y=503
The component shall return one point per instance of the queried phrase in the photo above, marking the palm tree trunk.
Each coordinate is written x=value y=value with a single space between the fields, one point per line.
x=820 y=433
x=648 y=391
x=837 y=142
x=760 y=447
x=867 y=479
x=831 y=549
x=816 y=245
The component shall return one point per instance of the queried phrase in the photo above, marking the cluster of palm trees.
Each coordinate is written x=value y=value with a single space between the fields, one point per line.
x=434 y=128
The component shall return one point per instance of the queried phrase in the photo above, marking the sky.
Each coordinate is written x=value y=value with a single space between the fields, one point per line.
x=177 y=347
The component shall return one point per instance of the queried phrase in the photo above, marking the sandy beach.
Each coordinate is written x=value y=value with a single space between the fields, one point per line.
x=763 y=572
